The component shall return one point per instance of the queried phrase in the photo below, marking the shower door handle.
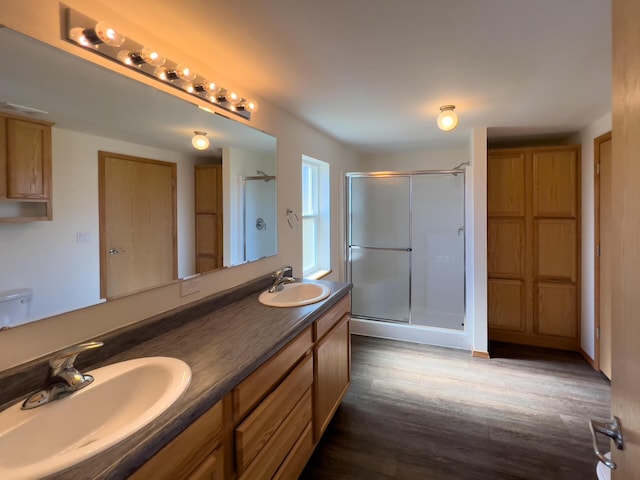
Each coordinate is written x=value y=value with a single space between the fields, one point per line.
x=612 y=430
x=405 y=249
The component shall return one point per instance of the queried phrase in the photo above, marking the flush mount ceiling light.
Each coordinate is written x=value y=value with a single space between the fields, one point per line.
x=447 y=120
x=104 y=39
x=200 y=140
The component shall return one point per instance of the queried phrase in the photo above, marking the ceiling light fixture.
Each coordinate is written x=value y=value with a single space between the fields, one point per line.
x=447 y=120
x=200 y=140
x=105 y=40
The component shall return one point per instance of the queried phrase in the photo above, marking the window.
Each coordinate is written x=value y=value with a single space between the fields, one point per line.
x=316 y=240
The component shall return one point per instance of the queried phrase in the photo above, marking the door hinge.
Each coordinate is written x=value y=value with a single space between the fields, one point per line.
x=598 y=251
x=598 y=168
x=598 y=333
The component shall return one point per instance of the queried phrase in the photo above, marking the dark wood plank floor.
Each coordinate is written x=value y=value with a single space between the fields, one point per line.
x=419 y=412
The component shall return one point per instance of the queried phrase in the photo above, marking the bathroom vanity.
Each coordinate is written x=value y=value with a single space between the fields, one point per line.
x=265 y=383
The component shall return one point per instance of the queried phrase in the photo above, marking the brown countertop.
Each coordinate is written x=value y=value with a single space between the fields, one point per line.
x=222 y=348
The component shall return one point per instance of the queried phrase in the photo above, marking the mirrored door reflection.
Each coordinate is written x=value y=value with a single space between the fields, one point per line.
x=259 y=196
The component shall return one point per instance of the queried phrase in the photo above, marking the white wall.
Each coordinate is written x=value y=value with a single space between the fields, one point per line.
x=477 y=241
x=41 y=19
x=587 y=309
x=46 y=256
x=417 y=160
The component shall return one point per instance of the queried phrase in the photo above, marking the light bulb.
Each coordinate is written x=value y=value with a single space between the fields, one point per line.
x=447 y=120
x=250 y=106
x=125 y=57
x=185 y=73
x=77 y=35
x=232 y=97
x=152 y=57
x=207 y=87
x=160 y=73
x=104 y=33
x=200 y=141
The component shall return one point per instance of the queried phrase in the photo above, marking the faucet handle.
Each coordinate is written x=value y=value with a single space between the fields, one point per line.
x=64 y=359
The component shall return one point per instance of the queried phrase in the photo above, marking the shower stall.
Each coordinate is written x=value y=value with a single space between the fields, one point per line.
x=406 y=254
x=259 y=227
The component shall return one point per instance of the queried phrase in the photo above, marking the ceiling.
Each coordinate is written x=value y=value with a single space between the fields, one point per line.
x=373 y=73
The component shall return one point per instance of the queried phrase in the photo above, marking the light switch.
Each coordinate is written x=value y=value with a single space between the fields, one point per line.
x=83 y=237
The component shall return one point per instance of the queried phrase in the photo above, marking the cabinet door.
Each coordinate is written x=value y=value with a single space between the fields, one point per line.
x=333 y=373
x=28 y=160
x=190 y=452
x=212 y=468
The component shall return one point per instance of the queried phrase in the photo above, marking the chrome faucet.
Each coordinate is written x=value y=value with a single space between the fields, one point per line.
x=63 y=378
x=280 y=280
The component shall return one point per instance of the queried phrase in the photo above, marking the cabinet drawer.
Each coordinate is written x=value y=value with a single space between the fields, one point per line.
x=281 y=442
x=295 y=462
x=261 y=382
x=329 y=319
x=254 y=433
x=189 y=448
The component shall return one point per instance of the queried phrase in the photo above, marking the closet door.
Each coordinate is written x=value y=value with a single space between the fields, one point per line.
x=533 y=246
x=507 y=231
x=555 y=246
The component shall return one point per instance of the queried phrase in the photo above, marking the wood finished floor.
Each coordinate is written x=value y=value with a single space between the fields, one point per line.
x=420 y=412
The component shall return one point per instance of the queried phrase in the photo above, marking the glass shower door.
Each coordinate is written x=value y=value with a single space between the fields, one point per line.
x=438 y=251
x=379 y=247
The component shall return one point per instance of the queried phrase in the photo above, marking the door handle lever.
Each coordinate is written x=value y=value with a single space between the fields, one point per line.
x=612 y=430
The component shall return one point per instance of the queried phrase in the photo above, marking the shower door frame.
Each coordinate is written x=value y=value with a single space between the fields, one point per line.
x=348 y=246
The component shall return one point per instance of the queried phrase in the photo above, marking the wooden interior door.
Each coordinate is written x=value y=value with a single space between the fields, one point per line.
x=533 y=246
x=625 y=338
x=138 y=244
x=208 y=187
x=604 y=249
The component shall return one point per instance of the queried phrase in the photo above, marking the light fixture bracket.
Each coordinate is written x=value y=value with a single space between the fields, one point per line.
x=76 y=20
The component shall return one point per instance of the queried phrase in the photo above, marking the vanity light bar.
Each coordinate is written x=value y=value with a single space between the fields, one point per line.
x=104 y=40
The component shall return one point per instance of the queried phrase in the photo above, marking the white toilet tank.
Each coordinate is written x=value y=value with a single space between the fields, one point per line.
x=14 y=307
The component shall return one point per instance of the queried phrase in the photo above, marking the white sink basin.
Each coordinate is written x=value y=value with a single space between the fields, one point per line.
x=123 y=398
x=295 y=295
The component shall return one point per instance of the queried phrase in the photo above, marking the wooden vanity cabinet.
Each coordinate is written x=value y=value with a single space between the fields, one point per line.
x=273 y=410
x=332 y=358
x=197 y=453
x=25 y=169
x=269 y=424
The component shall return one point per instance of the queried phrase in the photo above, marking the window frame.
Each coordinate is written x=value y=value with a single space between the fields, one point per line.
x=317 y=210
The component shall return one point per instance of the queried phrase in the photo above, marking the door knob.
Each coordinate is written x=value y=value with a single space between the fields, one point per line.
x=612 y=430
x=115 y=251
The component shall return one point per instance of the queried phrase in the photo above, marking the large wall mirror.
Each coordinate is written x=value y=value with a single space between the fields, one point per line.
x=102 y=119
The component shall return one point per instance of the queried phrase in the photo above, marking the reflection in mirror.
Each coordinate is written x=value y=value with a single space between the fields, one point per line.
x=223 y=217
